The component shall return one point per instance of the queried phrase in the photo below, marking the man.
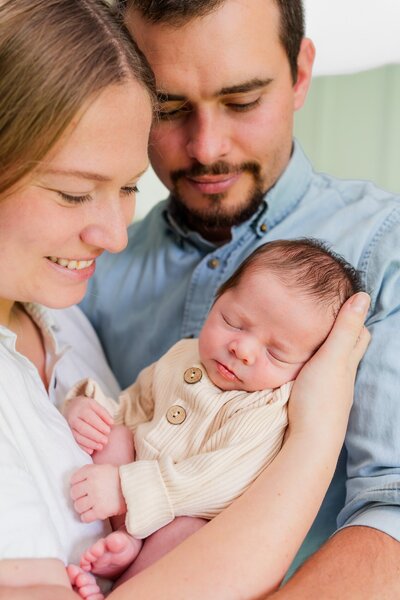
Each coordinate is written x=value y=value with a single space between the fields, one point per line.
x=230 y=74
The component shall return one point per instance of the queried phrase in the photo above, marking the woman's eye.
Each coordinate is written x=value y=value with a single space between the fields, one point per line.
x=72 y=199
x=128 y=190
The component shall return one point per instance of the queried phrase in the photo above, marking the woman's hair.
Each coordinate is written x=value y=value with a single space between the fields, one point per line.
x=307 y=265
x=54 y=56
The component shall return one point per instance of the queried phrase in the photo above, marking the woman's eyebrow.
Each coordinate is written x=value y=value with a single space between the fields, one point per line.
x=86 y=174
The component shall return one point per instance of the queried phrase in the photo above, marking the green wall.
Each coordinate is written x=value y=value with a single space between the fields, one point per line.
x=350 y=125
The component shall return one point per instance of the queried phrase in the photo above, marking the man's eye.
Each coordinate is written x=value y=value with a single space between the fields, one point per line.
x=170 y=113
x=243 y=106
x=72 y=199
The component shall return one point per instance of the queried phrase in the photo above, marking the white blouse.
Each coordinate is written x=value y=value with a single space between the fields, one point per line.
x=38 y=454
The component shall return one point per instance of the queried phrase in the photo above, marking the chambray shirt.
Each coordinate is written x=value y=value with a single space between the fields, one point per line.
x=161 y=287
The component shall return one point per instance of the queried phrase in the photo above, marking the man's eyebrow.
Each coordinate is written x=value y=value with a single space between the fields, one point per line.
x=85 y=174
x=165 y=97
x=239 y=88
x=242 y=88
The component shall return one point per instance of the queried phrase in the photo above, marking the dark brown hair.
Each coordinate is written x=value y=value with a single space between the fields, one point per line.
x=305 y=264
x=179 y=12
x=55 y=55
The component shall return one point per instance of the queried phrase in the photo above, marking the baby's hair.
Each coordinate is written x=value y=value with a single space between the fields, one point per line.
x=306 y=264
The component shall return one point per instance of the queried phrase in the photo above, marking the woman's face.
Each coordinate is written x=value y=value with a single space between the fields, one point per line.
x=77 y=204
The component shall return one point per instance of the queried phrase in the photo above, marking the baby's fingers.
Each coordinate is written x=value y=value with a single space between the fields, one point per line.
x=90 y=431
x=87 y=444
x=102 y=413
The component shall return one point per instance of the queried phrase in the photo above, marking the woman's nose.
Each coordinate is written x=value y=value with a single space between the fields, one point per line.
x=107 y=229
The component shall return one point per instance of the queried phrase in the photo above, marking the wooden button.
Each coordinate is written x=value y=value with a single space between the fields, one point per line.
x=176 y=414
x=192 y=375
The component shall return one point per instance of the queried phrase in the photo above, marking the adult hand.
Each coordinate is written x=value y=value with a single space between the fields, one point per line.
x=322 y=394
x=96 y=492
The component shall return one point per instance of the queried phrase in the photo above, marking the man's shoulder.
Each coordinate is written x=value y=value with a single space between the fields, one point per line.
x=352 y=190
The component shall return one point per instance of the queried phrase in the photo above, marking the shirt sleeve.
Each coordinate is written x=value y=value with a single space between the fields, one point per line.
x=204 y=484
x=373 y=437
x=25 y=528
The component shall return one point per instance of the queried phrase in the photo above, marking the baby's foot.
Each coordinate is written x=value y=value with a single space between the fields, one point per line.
x=84 y=583
x=110 y=556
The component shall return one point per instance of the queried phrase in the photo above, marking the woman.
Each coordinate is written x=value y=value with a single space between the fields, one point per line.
x=75 y=112
x=76 y=108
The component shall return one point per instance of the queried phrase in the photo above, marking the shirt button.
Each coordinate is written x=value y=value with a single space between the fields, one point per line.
x=176 y=414
x=213 y=263
x=192 y=375
x=264 y=228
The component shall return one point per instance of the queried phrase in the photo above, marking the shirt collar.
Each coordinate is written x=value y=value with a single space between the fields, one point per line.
x=279 y=201
x=43 y=319
x=290 y=187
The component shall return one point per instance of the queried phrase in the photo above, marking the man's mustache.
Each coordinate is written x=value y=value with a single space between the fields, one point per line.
x=218 y=168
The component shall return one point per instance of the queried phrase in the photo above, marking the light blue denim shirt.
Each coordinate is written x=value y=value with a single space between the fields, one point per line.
x=161 y=287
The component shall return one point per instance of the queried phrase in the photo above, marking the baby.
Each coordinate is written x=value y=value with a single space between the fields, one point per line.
x=210 y=414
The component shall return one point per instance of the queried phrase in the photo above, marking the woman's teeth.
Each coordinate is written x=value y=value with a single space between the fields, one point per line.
x=71 y=264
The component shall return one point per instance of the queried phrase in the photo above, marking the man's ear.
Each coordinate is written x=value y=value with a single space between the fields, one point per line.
x=305 y=61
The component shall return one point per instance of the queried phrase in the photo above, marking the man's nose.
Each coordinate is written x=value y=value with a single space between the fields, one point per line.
x=208 y=138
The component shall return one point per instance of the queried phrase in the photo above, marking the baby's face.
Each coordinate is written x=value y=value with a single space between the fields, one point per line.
x=259 y=334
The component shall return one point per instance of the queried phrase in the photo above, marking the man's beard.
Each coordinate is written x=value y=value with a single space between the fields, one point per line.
x=217 y=216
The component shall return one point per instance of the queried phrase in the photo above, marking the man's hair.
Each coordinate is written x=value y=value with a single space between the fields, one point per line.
x=55 y=56
x=179 y=12
x=307 y=265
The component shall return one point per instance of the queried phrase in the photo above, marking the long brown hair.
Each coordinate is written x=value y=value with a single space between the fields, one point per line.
x=54 y=56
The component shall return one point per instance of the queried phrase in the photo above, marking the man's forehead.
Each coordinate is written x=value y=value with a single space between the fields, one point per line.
x=234 y=24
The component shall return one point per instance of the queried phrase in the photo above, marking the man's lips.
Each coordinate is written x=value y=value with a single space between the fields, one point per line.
x=226 y=372
x=213 y=184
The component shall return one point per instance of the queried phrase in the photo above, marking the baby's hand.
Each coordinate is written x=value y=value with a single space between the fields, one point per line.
x=96 y=492
x=90 y=423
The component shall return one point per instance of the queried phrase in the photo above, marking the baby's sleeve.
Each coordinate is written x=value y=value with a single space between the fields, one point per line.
x=91 y=389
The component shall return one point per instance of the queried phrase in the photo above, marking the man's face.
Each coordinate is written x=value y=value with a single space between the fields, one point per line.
x=227 y=104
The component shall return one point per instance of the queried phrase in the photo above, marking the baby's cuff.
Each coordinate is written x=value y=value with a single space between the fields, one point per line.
x=148 y=503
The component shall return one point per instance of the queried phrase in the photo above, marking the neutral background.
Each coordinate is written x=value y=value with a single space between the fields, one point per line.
x=350 y=125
